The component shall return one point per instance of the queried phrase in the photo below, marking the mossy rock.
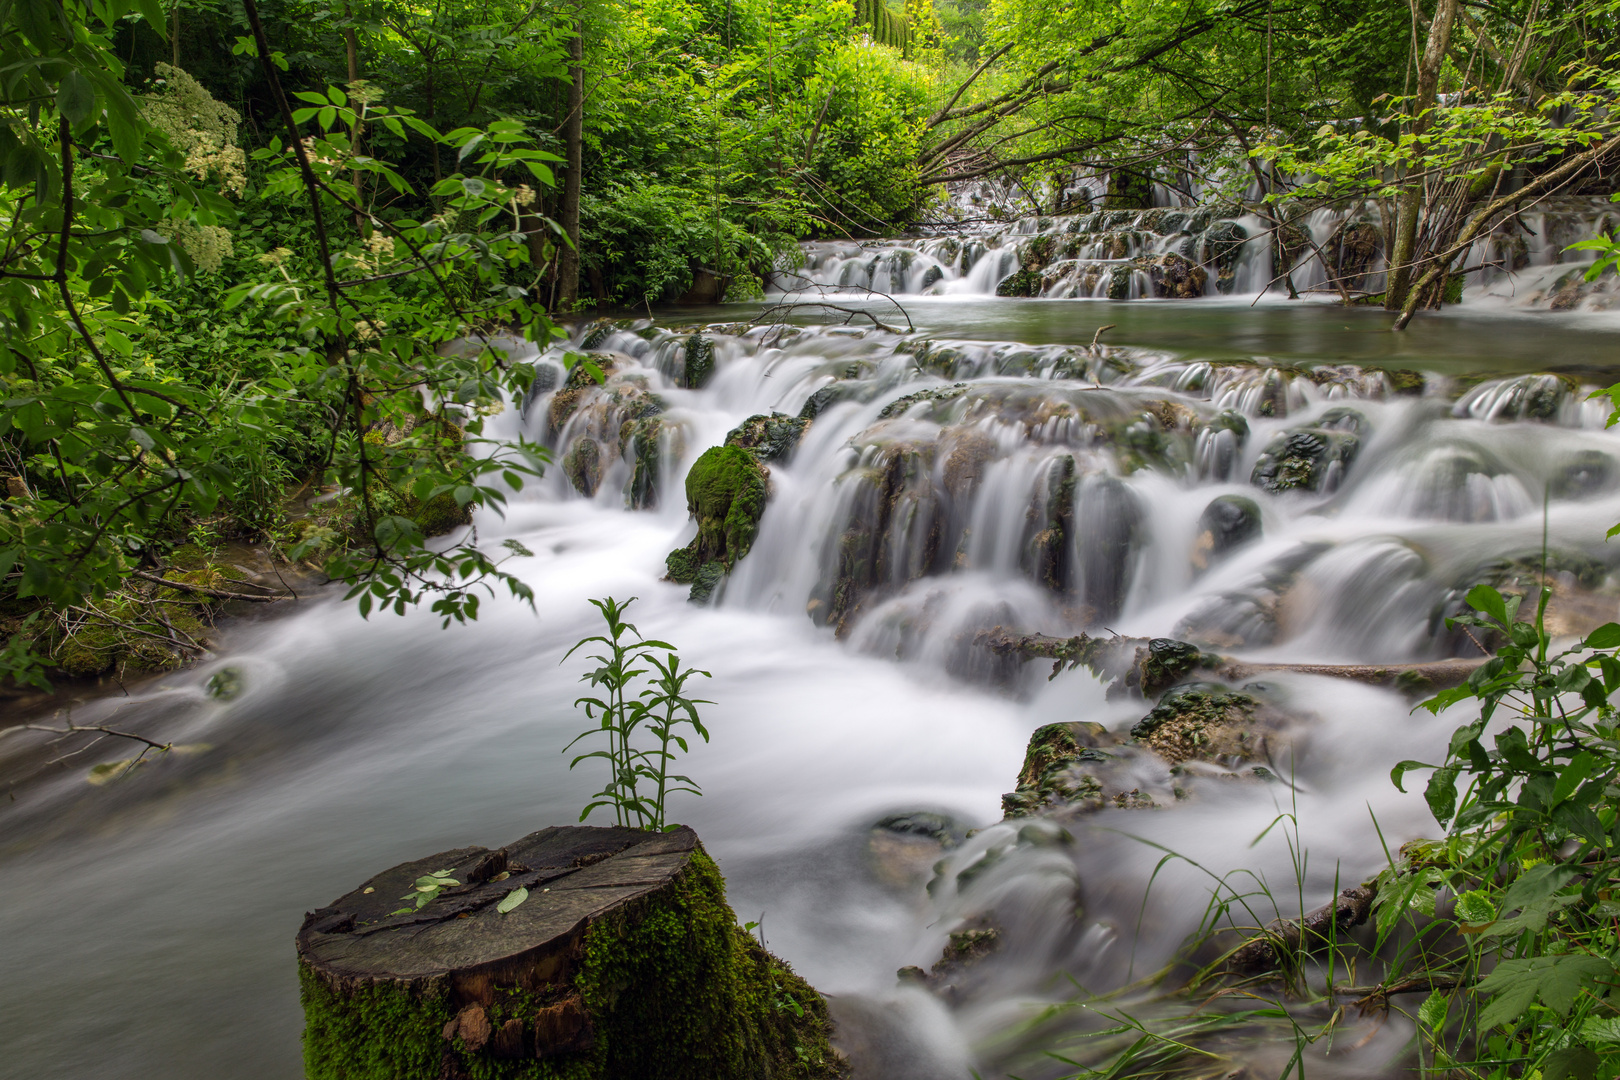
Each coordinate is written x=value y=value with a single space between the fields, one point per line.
x=583 y=466
x=1311 y=458
x=1199 y=720
x=624 y=963
x=726 y=490
x=640 y=445
x=1025 y=282
x=440 y=514
x=698 y=361
x=769 y=438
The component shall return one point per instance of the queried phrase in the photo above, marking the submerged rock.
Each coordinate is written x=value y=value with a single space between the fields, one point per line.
x=1227 y=523
x=1311 y=458
x=726 y=491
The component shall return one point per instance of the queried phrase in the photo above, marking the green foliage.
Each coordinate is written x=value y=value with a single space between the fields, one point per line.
x=660 y=708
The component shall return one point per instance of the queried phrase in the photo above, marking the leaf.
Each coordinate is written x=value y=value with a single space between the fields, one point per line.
x=1441 y=794
x=1485 y=599
x=1573 y=775
x=513 y=899
x=1606 y=636
x=1432 y=1013
x=1475 y=906
x=1577 y=1062
x=1553 y=980
x=1400 y=771
x=75 y=97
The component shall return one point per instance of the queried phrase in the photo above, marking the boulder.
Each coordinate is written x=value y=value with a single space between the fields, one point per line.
x=726 y=491
x=769 y=438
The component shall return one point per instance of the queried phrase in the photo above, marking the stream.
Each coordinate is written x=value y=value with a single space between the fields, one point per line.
x=147 y=923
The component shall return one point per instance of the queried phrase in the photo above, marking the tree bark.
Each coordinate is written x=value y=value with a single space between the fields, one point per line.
x=351 y=51
x=574 y=151
x=1409 y=207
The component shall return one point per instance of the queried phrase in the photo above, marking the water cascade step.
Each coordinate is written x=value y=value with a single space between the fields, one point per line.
x=575 y=952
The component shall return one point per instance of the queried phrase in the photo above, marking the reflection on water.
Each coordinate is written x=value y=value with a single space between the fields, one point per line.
x=148 y=922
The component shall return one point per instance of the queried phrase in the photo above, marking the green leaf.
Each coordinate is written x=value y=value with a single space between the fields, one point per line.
x=1475 y=906
x=1486 y=599
x=1606 y=636
x=1432 y=1013
x=1398 y=772
x=1570 y=1063
x=1517 y=984
x=75 y=97
x=1441 y=794
x=513 y=899
x=1573 y=775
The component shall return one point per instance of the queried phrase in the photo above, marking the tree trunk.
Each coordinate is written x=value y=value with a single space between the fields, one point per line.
x=574 y=150
x=351 y=50
x=174 y=35
x=623 y=961
x=1409 y=207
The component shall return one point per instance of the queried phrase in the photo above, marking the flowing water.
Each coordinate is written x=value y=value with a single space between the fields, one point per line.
x=1036 y=483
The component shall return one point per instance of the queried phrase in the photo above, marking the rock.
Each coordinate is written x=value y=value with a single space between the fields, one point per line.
x=697 y=361
x=1223 y=244
x=1201 y=720
x=726 y=491
x=769 y=438
x=1583 y=474
x=903 y=848
x=440 y=514
x=1227 y=523
x=623 y=962
x=1075 y=767
x=1023 y=282
x=1311 y=458
x=583 y=466
x=1351 y=254
x=1174 y=277
x=641 y=444
x=595 y=334
x=1046 y=552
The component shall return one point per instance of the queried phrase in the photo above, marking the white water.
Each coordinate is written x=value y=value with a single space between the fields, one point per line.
x=147 y=924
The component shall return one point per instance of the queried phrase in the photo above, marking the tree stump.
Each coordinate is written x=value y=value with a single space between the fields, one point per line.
x=624 y=962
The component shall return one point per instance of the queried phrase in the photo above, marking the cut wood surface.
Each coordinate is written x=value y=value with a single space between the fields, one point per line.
x=574 y=875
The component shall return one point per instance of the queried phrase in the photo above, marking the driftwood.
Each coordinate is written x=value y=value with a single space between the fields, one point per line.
x=1147 y=665
x=1283 y=938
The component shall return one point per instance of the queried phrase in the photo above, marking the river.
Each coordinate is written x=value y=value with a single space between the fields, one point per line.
x=148 y=923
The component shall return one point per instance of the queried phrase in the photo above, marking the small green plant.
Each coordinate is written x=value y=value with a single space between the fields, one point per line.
x=659 y=708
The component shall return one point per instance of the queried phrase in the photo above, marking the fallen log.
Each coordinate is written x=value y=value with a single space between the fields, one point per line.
x=1282 y=939
x=602 y=952
x=1149 y=665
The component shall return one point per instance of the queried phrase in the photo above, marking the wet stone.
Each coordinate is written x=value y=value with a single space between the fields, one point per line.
x=1227 y=523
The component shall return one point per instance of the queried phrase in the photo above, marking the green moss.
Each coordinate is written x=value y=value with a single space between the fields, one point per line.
x=1194 y=703
x=676 y=990
x=440 y=514
x=769 y=438
x=726 y=491
x=371 y=1033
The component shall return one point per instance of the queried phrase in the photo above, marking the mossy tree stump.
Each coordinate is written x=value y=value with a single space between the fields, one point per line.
x=624 y=962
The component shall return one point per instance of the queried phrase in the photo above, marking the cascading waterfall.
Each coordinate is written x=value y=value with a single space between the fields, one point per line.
x=939 y=488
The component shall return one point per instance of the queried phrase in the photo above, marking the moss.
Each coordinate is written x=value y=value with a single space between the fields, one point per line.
x=1405 y=382
x=1305 y=458
x=372 y=1033
x=1454 y=289
x=675 y=989
x=1197 y=720
x=726 y=491
x=899 y=406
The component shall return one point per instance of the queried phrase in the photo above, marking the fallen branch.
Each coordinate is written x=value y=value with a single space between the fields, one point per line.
x=78 y=729
x=217 y=594
x=1284 y=938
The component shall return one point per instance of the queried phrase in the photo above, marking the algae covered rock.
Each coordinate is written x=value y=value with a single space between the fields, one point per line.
x=1311 y=458
x=769 y=438
x=641 y=445
x=623 y=961
x=726 y=491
